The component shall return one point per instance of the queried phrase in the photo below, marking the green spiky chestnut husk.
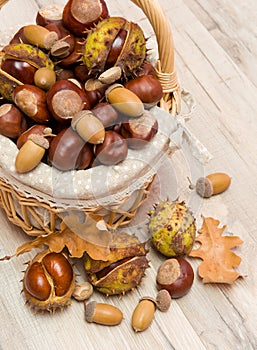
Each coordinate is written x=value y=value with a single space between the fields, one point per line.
x=172 y=228
x=125 y=268
x=25 y=53
x=114 y=42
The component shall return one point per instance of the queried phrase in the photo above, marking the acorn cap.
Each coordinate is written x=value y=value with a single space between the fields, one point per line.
x=150 y=299
x=78 y=116
x=90 y=311
x=204 y=187
x=163 y=300
x=39 y=140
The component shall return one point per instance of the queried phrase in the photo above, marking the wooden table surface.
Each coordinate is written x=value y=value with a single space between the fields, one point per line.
x=216 y=60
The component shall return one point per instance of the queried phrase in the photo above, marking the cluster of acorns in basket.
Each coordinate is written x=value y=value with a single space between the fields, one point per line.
x=76 y=88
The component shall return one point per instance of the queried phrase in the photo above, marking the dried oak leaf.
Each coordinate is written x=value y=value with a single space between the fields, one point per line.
x=89 y=236
x=215 y=251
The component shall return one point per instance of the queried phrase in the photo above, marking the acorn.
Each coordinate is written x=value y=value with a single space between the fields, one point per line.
x=31 y=153
x=88 y=127
x=125 y=268
x=212 y=184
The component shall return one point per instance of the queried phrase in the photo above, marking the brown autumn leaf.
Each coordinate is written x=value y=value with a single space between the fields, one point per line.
x=215 y=250
x=89 y=237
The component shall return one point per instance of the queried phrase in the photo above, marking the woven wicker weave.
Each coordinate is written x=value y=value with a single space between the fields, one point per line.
x=36 y=216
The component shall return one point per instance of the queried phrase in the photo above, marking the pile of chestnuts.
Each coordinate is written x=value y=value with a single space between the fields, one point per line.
x=60 y=110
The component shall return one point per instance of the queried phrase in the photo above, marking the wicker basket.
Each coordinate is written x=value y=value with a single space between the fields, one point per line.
x=38 y=213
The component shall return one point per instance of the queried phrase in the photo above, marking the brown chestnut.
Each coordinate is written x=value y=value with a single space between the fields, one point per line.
x=86 y=156
x=146 y=69
x=64 y=99
x=32 y=101
x=63 y=73
x=12 y=121
x=78 y=15
x=176 y=275
x=51 y=13
x=116 y=48
x=36 y=282
x=139 y=131
x=20 y=70
x=113 y=150
x=147 y=88
x=60 y=270
x=81 y=72
x=96 y=95
x=106 y=113
x=66 y=150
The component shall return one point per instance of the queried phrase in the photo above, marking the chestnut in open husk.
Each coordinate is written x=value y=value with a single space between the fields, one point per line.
x=125 y=268
x=23 y=71
x=49 y=281
x=114 y=42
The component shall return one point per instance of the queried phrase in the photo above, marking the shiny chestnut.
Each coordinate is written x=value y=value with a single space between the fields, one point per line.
x=51 y=13
x=64 y=99
x=176 y=275
x=139 y=131
x=106 y=113
x=86 y=157
x=78 y=15
x=146 y=69
x=113 y=150
x=66 y=150
x=12 y=121
x=32 y=101
x=22 y=71
x=147 y=88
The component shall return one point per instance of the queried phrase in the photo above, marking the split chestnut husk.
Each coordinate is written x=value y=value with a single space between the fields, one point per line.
x=125 y=268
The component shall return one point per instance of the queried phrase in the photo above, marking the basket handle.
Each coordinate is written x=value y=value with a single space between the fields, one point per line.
x=2 y=2
x=165 y=66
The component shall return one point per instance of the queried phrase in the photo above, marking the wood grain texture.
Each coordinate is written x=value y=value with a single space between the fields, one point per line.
x=215 y=56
